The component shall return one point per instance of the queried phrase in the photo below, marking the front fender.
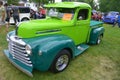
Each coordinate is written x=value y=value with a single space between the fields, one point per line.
x=95 y=32
x=46 y=48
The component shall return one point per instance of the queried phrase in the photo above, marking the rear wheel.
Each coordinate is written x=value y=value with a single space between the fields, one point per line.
x=61 y=61
x=99 y=39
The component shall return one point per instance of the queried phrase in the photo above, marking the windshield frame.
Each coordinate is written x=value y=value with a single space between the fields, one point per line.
x=60 y=13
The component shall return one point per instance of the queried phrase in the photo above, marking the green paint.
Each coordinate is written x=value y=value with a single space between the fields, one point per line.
x=50 y=46
x=51 y=25
x=68 y=5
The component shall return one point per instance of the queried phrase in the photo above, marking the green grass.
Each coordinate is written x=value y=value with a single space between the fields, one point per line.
x=99 y=62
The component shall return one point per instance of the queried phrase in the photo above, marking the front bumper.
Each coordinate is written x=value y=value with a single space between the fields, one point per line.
x=24 y=68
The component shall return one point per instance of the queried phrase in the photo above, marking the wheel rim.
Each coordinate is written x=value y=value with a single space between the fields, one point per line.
x=99 y=40
x=62 y=62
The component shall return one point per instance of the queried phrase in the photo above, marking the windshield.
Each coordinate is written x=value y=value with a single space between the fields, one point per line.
x=61 y=13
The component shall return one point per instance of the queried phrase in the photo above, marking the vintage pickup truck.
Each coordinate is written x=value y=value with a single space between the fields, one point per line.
x=50 y=44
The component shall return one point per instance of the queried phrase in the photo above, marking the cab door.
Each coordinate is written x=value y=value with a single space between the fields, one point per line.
x=82 y=25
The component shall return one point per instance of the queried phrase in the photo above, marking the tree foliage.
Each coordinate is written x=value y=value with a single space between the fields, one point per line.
x=109 y=5
x=41 y=1
x=91 y=2
x=15 y=2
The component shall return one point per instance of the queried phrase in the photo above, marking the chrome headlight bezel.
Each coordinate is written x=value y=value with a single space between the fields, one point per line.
x=28 y=49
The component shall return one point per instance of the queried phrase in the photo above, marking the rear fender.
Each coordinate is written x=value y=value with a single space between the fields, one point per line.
x=95 y=32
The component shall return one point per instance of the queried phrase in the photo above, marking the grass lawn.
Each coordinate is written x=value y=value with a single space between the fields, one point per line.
x=99 y=62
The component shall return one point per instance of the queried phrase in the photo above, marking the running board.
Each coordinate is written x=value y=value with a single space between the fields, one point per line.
x=80 y=48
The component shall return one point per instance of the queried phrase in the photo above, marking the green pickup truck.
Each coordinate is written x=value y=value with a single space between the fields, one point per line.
x=50 y=43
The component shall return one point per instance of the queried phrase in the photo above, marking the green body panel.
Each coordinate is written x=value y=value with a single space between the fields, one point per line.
x=41 y=27
x=83 y=26
x=76 y=29
x=95 y=24
x=96 y=30
x=68 y=5
x=50 y=46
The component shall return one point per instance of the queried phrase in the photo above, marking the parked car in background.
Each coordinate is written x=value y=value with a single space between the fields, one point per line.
x=24 y=14
x=110 y=17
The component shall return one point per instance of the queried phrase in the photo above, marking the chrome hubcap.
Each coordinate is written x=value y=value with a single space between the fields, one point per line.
x=62 y=62
x=99 y=40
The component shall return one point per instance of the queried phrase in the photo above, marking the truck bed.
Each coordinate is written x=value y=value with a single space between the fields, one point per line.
x=94 y=23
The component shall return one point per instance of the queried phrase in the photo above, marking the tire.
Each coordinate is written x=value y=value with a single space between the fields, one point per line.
x=61 y=61
x=99 y=39
x=25 y=19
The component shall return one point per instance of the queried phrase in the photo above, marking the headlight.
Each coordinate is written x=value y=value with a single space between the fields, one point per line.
x=28 y=49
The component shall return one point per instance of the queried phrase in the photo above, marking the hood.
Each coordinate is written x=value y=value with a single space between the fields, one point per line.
x=41 y=27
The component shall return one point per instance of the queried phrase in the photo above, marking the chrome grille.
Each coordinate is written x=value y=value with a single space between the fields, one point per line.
x=17 y=50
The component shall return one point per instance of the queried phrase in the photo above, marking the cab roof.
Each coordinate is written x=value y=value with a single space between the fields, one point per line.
x=68 y=5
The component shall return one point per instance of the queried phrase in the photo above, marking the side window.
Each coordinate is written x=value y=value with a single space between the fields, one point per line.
x=83 y=14
x=24 y=10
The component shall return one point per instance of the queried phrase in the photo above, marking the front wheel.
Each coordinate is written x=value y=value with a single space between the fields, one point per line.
x=61 y=61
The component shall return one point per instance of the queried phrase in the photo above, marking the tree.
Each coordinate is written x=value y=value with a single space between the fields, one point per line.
x=15 y=2
x=109 y=5
x=41 y=1
x=90 y=2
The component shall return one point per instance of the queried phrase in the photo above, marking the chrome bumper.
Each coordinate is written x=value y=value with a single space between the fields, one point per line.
x=24 y=68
